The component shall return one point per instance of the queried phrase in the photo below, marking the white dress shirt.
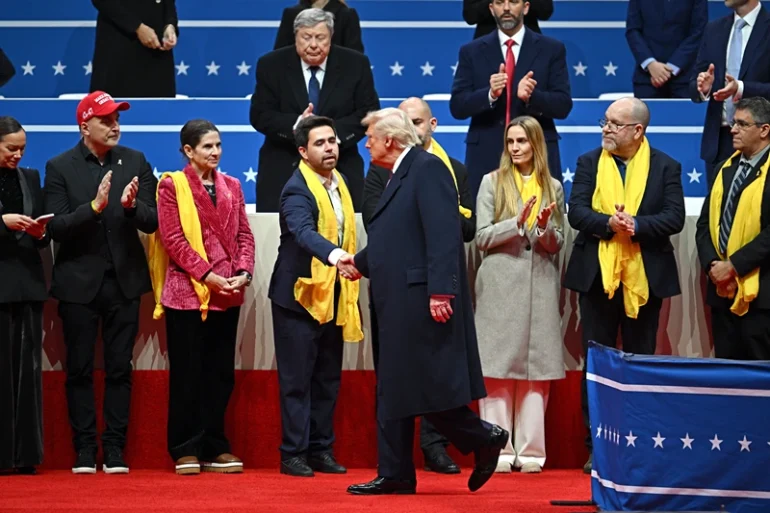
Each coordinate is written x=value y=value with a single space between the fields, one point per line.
x=332 y=187
x=399 y=160
x=518 y=38
x=319 y=74
x=751 y=20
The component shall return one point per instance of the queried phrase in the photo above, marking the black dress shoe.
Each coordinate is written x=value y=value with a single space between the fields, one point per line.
x=486 y=458
x=384 y=486
x=27 y=471
x=437 y=460
x=326 y=464
x=296 y=467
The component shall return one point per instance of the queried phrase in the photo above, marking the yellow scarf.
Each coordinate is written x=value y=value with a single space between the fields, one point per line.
x=191 y=226
x=620 y=260
x=746 y=226
x=440 y=153
x=316 y=293
x=526 y=190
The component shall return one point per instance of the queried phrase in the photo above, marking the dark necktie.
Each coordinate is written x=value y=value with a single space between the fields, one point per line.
x=313 y=88
x=510 y=70
x=731 y=205
x=621 y=168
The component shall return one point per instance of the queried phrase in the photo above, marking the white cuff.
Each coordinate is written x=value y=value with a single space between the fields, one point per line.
x=492 y=100
x=539 y=231
x=335 y=256
x=739 y=94
x=299 y=118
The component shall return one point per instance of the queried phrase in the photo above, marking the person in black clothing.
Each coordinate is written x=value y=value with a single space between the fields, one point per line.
x=22 y=295
x=7 y=71
x=347 y=27
x=101 y=194
x=432 y=442
x=476 y=12
x=133 y=55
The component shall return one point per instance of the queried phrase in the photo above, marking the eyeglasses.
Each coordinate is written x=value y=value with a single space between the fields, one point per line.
x=612 y=126
x=743 y=125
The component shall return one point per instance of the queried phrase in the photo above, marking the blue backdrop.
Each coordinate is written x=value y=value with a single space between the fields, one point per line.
x=51 y=44
x=152 y=126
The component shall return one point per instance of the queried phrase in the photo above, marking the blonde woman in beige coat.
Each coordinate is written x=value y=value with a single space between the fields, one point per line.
x=520 y=221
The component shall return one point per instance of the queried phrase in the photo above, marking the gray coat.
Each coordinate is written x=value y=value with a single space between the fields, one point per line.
x=517 y=293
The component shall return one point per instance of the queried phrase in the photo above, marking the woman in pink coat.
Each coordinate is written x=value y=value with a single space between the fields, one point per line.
x=205 y=232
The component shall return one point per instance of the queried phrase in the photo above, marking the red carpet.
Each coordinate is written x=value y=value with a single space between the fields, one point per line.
x=261 y=490
x=254 y=422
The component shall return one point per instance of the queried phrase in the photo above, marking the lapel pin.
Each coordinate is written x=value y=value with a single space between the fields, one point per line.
x=120 y=162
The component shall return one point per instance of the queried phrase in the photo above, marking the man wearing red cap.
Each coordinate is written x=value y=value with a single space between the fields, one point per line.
x=100 y=194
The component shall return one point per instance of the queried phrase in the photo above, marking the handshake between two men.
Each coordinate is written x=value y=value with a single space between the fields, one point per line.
x=440 y=306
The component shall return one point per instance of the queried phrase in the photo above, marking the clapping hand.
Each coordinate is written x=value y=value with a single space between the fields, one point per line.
x=545 y=215
x=308 y=111
x=347 y=267
x=103 y=193
x=128 y=200
x=525 y=211
x=706 y=80
x=527 y=86
x=729 y=90
x=497 y=82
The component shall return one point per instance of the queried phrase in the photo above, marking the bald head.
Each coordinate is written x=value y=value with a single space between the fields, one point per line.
x=632 y=110
x=419 y=112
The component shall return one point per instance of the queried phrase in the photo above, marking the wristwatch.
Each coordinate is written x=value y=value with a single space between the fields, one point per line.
x=247 y=275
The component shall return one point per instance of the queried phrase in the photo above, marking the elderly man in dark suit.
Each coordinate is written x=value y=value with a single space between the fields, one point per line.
x=101 y=194
x=428 y=356
x=733 y=63
x=642 y=206
x=510 y=72
x=313 y=77
x=432 y=442
x=664 y=37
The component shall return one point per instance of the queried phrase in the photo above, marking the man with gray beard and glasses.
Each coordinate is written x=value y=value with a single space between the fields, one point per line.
x=626 y=202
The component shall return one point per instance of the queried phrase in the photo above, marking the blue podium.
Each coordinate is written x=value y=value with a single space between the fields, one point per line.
x=679 y=434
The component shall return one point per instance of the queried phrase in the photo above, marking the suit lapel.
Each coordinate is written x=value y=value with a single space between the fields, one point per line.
x=755 y=173
x=297 y=81
x=331 y=77
x=224 y=209
x=81 y=172
x=395 y=183
x=207 y=212
x=527 y=54
x=758 y=35
x=25 y=193
x=492 y=51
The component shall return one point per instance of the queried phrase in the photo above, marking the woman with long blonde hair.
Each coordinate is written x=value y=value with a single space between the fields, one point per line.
x=520 y=211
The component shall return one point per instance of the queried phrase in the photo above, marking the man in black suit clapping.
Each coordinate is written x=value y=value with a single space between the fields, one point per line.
x=101 y=194
x=314 y=77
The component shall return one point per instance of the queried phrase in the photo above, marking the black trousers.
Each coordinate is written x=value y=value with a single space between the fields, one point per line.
x=120 y=322
x=744 y=337
x=430 y=438
x=395 y=439
x=668 y=90
x=724 y=150
x=21 y=385
x=602 y=317
x=201 y=380
x=309 y=359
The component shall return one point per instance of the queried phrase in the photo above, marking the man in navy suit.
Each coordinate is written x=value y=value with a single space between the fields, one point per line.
x=428 y=355
x=664 y=36
x=733 y=63
x=508 y=73
x=309 y=353
x=660 y=215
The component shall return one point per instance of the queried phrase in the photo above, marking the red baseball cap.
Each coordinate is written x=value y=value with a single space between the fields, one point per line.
x=98 y=103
